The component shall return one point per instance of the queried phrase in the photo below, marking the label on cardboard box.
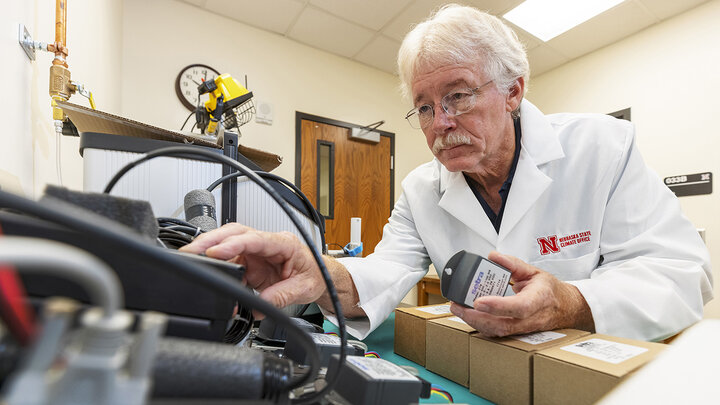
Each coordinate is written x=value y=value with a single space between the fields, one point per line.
x=538 y=337
x=436 y=310
x=380 y=369
x=605 y=350
x=456 y=319
x=489 y=279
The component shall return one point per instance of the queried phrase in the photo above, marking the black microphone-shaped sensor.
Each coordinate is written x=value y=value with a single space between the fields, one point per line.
x=200 y=209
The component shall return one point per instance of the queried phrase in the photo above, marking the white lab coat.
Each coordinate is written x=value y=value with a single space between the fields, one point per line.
x=619 y=234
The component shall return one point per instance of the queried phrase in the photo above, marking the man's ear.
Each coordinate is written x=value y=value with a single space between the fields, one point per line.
x=515 y=94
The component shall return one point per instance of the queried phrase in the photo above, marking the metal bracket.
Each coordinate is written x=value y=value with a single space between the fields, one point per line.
x=26 y=41
x=229 y=190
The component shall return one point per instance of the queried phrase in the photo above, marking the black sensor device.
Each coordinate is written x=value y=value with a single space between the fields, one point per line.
x=467 y=276
x=373 y=381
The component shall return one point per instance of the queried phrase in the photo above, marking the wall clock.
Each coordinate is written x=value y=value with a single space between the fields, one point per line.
x=189 y=79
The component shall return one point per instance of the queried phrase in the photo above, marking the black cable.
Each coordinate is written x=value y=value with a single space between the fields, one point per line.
x=168 y=233
x=109 y=232
x=174 y=244
x=174 y=221
x=186 y=120
x=192 y=231
x=303 y=309
x=241 y=325
x=338 y=245
x=175 y=237
x=184 y=150
x=308 y=205
x=176 y=232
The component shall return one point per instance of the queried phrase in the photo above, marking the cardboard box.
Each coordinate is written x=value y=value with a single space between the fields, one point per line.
x=447 y=350
x=586 y=369
x=410 y=326
x=89 y=120
x=501 y=369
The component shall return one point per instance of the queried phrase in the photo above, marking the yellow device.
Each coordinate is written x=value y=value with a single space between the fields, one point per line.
x=229 y=104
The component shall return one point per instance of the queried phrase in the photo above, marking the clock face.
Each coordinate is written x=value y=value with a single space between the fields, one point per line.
x=188 y=81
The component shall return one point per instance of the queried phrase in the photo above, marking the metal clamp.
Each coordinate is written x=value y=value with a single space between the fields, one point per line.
x=27 y=43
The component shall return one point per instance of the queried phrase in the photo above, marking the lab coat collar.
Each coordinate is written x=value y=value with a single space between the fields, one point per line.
x=540 y=144
x=459 y=201
x=539 y=139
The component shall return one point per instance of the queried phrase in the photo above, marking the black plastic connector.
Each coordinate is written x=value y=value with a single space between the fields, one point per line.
x=272 y=334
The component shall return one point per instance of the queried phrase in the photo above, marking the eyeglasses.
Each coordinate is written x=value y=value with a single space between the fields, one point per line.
x=455 y=103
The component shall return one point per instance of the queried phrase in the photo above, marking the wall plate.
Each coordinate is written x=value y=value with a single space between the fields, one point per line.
x=264 y=113
x=26 y=41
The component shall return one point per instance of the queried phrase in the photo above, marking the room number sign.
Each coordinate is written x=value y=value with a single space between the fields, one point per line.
x=690 y=184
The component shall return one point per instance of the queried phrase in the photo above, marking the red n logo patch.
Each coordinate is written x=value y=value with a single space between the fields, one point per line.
x=548 y=245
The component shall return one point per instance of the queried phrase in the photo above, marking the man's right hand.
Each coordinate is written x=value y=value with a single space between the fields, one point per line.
x=277 y=264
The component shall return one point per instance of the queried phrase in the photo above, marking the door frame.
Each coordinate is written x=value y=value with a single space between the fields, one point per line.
x=299 y=116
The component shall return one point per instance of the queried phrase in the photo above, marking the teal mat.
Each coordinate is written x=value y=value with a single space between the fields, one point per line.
x=381 y=341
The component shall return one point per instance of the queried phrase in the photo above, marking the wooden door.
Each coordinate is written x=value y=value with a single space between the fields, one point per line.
x=361 y=181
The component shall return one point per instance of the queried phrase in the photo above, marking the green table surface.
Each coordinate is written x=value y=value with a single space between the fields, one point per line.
x=381 y=341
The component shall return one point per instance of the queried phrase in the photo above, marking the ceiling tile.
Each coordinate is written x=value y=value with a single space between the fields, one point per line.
x=543 y=58
x=663 y=9
x=372 y=14
x=349 y=27
x=495 y=7
x=420 y=10
x=530 y=41
x=261 y=14
x=619 y=22
x=327 y=32
x=380 y=53
x=415 y=13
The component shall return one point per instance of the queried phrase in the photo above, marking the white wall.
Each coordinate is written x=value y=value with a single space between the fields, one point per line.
x=163 y=36
x=16 y=158
x=668 y=75
x=28 y=153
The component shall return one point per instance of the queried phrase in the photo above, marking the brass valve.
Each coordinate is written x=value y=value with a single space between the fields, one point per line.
x=61 y=88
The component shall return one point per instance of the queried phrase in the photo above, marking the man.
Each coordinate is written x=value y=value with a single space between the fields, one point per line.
x=593 y=239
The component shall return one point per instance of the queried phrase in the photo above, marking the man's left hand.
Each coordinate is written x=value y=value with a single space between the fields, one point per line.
x=542 y=302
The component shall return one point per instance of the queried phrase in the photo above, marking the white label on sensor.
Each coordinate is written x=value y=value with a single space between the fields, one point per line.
x=326 y=339
x=380 y=369
x=489 y=279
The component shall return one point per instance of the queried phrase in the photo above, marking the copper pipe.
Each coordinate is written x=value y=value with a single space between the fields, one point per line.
x=60 y=21
x=60 y=44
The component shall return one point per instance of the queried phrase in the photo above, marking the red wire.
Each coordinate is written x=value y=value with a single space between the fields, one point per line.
x=14 y=311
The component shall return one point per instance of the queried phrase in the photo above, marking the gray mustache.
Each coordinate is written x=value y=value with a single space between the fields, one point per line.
x=450 y=141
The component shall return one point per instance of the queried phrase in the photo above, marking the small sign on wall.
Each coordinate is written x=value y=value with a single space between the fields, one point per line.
x=690 y=184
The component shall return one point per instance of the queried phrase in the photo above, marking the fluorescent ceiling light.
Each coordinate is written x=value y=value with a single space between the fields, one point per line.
x=547 y=19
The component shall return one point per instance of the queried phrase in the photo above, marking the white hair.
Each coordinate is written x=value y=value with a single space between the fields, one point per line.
x=465 y=36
